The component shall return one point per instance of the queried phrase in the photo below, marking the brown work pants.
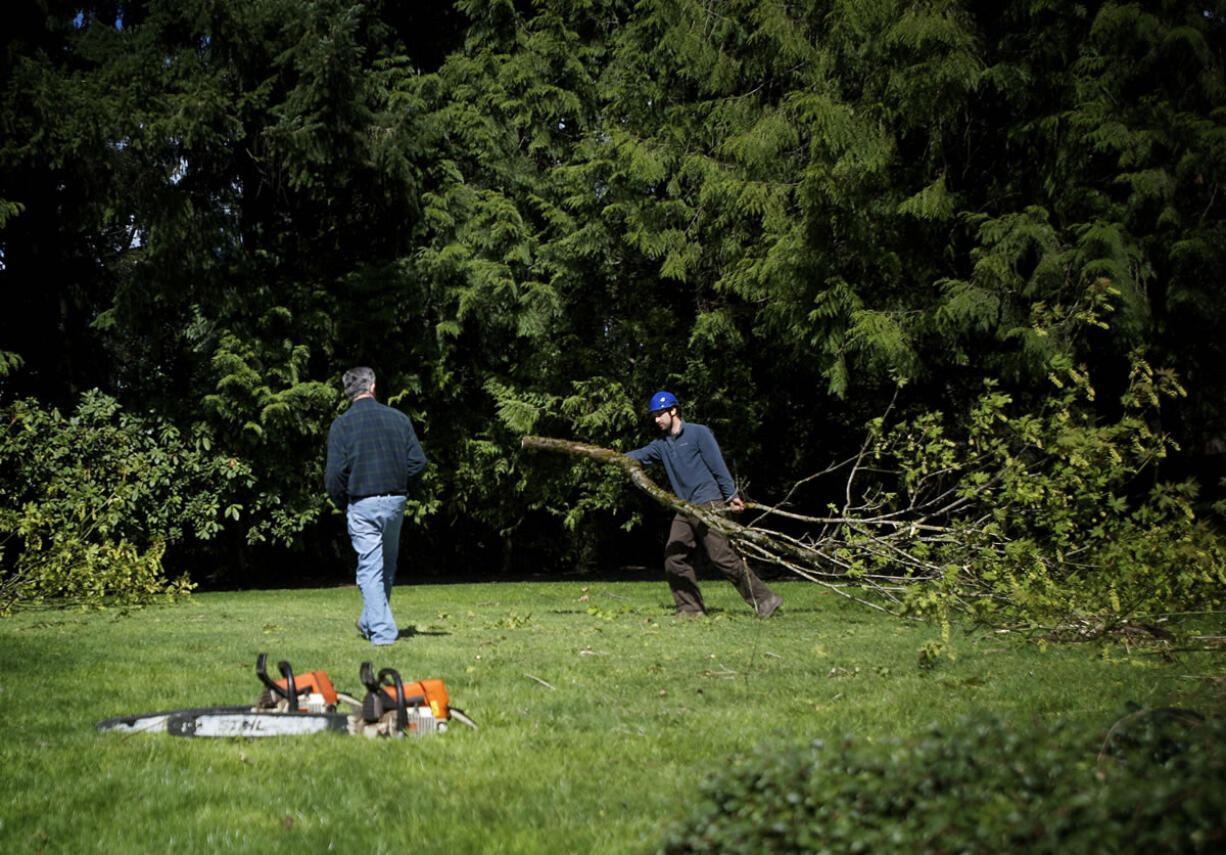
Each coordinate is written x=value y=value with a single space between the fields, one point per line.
x=684 y=538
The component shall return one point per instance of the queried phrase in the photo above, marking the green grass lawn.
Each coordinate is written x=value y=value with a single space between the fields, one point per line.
x=599 y=713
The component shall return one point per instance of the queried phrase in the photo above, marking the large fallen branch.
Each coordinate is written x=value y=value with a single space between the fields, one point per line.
x=815 y=559
x=1021 y=520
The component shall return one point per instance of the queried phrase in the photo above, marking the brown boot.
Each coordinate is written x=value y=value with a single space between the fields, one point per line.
x=769 y=607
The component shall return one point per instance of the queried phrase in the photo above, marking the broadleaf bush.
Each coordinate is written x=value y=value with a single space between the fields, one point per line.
x=982 y=785
x=89 y=502
x=1061 y=520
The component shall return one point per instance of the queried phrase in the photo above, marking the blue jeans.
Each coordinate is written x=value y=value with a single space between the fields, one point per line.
x=374 y=529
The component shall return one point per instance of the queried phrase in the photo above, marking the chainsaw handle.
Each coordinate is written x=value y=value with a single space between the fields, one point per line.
x=292 y=690
x=402 y=712
x=367 y=675
x=261 y=671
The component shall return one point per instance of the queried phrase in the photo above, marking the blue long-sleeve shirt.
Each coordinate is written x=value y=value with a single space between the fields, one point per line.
x=695 y=467
x=372 y=451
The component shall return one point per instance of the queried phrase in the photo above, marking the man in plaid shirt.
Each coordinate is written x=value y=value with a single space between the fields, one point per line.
x=373 y=459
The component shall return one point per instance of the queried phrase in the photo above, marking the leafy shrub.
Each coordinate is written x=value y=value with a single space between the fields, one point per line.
x=1054 y=523
x=981 y=786
x=89 y=503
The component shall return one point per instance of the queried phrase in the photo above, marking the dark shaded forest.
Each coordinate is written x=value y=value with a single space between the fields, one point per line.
x=528 y=216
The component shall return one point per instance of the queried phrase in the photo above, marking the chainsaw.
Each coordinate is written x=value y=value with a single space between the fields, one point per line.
x=308 y=703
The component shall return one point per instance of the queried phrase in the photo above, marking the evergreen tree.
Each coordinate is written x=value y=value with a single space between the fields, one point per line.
x=528 y=215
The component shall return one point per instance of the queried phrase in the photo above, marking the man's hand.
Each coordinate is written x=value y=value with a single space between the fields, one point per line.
x=736 y=504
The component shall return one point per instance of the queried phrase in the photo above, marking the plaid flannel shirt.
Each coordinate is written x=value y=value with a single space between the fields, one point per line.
x=372 y=451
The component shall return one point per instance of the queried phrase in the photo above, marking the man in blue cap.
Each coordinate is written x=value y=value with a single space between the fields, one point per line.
x=698 y=475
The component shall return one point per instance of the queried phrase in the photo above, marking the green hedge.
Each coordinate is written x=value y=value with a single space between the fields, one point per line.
x=1151 y=783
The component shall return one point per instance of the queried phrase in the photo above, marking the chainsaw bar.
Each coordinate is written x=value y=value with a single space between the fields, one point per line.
x=251 y=724
x=226 y=721
x=155 y=722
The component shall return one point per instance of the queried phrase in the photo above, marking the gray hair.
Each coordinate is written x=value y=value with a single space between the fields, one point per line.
x=357 y=381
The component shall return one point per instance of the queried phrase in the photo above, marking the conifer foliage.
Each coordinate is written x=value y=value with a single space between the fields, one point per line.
x=528 y=215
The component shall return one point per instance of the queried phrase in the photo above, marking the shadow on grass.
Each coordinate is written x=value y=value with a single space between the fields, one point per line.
x=411 y=631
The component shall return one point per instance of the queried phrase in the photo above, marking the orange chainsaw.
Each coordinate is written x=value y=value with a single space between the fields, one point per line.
x=308 y=703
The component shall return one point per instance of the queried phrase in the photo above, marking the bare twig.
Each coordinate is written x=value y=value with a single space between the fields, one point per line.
x=539 y=680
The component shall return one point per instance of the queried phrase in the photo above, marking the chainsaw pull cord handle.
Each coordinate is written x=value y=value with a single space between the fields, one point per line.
x=402 y=713
x=292 y=694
